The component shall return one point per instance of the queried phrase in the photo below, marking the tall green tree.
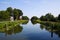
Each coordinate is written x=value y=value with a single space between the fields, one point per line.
x=20 y=13
x=17 y=13
x=10 y=10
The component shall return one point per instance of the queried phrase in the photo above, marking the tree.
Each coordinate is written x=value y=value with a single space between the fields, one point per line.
x=25 y=18
x=43 y=18
x=20 y=13
x=59 y=17
x=55 y=19
x=4 y=15
x=17 y=13
x=10 y=10
x=49 y=17
x=34 y=18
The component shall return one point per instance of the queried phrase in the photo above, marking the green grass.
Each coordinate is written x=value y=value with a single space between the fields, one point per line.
x=13 y=22
x=10 y=24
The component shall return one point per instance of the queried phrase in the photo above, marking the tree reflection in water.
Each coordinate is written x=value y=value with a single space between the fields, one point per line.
x=26 y=22
x=14 y=30
x=33 y=22
x=53 y=28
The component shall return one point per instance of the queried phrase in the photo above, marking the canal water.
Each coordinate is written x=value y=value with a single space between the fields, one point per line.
x=29 y=31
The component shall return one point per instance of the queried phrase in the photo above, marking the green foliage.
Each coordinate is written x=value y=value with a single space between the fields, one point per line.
x=43 y=18
x=25 y=18
x=17 y=13
x=4 y=15
x=48 y=17
x=10 y=24
x=10 y=10
x=20 y=12
x=34 y=18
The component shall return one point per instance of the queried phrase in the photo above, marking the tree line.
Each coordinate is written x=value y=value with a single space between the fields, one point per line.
x=47 y=17
x=16 y=13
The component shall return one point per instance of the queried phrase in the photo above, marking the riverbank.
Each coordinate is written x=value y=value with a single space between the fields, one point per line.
x=11 y=24
x=50 y=25
x=38 y=21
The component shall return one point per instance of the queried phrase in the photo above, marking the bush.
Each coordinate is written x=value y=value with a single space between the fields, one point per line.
x=34 y=18
x=25 y=18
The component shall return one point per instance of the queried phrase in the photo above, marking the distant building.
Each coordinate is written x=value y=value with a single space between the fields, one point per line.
x=20 y=17
x=12 y=18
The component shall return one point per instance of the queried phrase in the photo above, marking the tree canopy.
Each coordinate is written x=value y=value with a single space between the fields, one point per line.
x=34 y=18
x=6 y=14
x=25 y=18
x=49 y=17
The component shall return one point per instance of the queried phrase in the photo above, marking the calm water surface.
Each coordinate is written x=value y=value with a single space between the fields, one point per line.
x=29 y=32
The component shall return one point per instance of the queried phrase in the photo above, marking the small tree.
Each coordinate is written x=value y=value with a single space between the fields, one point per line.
x=25 y=18
x=34 y=18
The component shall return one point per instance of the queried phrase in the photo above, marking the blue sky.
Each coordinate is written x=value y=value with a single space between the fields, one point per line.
x=33 y=7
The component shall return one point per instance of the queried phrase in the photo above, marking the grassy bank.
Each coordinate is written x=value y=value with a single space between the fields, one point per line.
x=50 y=25
x=38 y=21
x=11 y=24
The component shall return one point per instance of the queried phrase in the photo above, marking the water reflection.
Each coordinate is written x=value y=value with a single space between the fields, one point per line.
x=47 y=31
x=26 y=22
x=14 y=30
x=33 y=22
x=52 y=28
